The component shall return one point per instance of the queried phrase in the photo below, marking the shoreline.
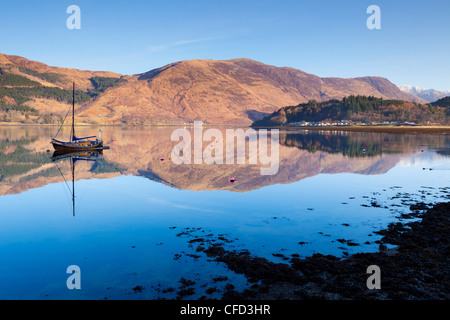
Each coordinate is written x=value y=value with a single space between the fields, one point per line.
x=16 y=124
x=416 y=269
x=379 y=129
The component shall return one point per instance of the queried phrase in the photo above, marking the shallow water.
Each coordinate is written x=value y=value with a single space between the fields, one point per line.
x=139 y=217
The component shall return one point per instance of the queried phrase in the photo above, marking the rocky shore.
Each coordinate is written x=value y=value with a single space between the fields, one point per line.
x=417 y=268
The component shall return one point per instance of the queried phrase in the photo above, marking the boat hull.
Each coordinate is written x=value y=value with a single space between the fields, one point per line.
x=77 y=146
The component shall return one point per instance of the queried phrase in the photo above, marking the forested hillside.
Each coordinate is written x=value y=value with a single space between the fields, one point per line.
x=363 y=109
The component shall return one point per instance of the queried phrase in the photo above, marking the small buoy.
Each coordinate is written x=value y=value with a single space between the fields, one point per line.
x=326 y=137
x=232 y=180
x=422 y=150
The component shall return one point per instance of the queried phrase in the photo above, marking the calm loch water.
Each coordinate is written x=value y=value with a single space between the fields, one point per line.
x=139 y=217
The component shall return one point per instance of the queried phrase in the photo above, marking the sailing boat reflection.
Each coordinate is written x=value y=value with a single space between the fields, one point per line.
x=85 y=155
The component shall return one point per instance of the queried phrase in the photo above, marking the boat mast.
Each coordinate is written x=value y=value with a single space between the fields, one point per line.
x=73 y=186
x=73 y=113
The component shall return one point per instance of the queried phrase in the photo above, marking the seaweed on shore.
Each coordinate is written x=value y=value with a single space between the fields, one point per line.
x=418 y=268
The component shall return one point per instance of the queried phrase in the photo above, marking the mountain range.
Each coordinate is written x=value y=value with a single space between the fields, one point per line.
x=429 y=95
x=236 y=91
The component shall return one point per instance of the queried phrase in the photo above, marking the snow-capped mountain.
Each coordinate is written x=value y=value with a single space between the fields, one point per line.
x=429 y=95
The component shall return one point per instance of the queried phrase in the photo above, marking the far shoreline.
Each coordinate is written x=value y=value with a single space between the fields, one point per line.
x=379 y=129
x=438 y=129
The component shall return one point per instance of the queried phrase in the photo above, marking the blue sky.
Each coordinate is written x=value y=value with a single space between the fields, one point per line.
x=326 y=38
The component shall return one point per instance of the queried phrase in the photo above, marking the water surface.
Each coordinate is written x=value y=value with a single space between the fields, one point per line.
x=137 y=214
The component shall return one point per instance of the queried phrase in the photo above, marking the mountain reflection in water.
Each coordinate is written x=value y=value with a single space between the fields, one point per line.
x=146 y=152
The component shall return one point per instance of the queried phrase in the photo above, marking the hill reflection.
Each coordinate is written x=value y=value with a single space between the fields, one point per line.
x=146 y=151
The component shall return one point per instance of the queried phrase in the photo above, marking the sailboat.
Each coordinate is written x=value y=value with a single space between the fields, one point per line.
x=76 y=144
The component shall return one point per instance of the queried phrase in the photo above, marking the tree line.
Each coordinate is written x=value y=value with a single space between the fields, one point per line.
x=16 y=90
x=359 y=109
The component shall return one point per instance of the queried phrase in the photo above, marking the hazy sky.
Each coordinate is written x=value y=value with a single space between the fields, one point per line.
x=325 y=38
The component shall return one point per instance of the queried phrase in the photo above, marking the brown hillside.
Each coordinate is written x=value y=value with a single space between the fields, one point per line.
x=230 y=91
x=236 y=91
x=80 y=77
